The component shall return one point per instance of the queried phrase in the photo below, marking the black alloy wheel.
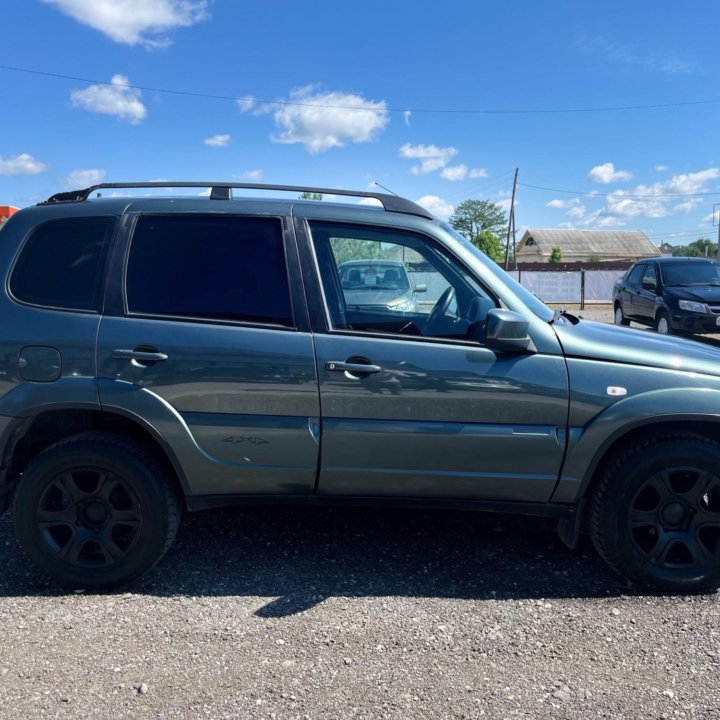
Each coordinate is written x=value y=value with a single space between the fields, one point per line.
x=674 y=519
x=96 y=510
x=89 y=517
x=655 y=514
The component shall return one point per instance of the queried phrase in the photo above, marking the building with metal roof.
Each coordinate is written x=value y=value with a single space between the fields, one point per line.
x=581 y=245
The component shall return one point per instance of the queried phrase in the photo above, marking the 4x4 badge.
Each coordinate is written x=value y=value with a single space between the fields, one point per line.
x=239 y=439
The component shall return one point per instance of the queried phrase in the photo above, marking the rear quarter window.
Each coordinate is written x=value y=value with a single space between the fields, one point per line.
x=62 y=262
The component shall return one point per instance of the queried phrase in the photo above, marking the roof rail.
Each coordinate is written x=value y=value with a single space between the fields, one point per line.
x=223 y=191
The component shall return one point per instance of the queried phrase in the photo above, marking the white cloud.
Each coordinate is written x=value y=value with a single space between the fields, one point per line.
x=661 y=168
x=563 y=204
x=369 y=201
x=455 y=172
x=246 y=103
x=634 y=56
x=252 y=175
x=576 y=212
x=84 y=178
x=606 y=174
x=436 y=205
x=116 y=98
x=406 y=117
x=22 y=164
x=687 y=205
x=460 y=172
x=324 y=120
x=217 y=141
x=135 y=22
x=432 y=157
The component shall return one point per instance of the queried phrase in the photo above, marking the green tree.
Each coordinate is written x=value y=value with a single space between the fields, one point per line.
x=491 y=245
x=594 y=258
x=481 y=222
x=556 y=255
x=310 y=196
x=699 y=248
x=473 y=216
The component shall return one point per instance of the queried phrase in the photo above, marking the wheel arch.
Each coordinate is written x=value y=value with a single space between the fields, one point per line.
x=29 y=435
x=687 y=409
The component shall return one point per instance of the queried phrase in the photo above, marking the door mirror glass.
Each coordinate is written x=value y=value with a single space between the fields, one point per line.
x=420 y=288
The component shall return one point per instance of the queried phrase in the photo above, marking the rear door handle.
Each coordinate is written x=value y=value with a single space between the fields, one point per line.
x=139 y=355
x=353 y=368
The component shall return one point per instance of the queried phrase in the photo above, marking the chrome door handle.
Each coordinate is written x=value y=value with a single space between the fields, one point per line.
x=139 y=355
x=354 y=368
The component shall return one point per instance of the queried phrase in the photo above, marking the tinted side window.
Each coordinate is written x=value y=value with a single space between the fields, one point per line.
x=209 y=267
x=650 y=274
x=62 y=264
x=635 y=275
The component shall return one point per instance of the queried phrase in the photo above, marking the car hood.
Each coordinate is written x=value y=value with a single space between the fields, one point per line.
x=699 y=293
x=374 y=297
x=599 y=341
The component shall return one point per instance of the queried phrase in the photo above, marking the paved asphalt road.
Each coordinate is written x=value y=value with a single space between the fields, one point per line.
x=292 y=613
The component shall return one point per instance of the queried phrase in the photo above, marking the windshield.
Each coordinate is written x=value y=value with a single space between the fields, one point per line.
x=532 y=302
x=691 y=273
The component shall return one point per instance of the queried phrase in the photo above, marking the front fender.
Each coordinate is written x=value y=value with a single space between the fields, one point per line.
x=587 y=446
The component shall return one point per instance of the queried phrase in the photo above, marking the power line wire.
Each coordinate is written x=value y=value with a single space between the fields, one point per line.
x=593 y=193
x=448 y=111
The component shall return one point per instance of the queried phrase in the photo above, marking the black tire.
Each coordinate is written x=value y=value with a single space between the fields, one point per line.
x=655 y=515
x=662 y=323
x=96 y=510
x=619 y=316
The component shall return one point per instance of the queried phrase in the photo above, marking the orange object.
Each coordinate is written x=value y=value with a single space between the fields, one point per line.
x=7 y=210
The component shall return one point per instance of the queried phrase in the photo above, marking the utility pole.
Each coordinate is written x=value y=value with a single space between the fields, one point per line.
x=511 y=225
x=716 y=209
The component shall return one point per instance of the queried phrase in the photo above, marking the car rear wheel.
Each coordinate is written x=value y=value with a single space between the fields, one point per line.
x=662 y=323
x=96 y=510
x=655 y=516
x=620 y=318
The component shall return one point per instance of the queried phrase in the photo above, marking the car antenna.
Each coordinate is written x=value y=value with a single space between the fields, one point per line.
x=384 y=188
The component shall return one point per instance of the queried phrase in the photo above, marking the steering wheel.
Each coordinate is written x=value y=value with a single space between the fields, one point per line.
x=434 y=322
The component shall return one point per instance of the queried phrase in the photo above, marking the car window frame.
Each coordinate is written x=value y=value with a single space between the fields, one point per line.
x=640 y=267
x=328 y=329
x=298 y=311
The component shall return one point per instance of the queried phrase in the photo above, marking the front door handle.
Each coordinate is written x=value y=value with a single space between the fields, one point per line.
x=139 y=355
x=352 y=368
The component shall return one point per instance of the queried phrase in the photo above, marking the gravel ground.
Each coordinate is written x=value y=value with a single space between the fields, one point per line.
x=296 y=613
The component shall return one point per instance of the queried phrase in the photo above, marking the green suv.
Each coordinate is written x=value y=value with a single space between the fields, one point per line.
x=161 y=352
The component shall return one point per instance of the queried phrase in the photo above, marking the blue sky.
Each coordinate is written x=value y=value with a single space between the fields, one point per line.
x=337 y=93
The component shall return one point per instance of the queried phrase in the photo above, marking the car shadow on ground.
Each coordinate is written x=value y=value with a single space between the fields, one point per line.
x=301 y=556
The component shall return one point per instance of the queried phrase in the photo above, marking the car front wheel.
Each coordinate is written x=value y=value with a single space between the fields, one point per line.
x=96 y=510
x=662 y=323
x=620 y=318
x=655 y=515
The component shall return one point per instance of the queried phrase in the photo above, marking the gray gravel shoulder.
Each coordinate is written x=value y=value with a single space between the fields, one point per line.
x=291 y=613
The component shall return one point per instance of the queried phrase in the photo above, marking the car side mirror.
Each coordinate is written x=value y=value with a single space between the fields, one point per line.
x=507 y=331
x=649 y=284
x=421 y=288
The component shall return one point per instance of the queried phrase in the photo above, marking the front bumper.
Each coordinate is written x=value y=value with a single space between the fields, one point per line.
x=686 y=321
